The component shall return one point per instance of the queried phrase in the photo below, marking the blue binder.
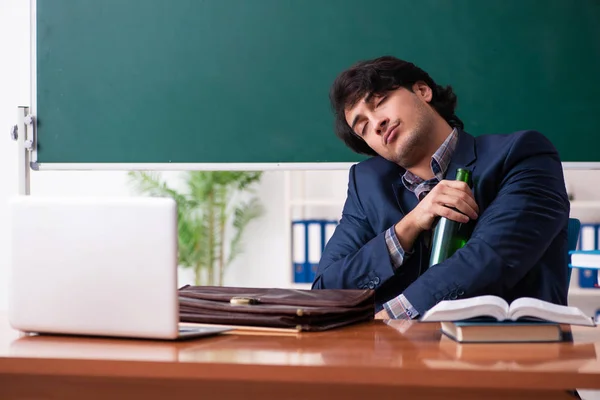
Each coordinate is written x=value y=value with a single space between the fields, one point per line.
x=588 y=238
x=309 y=238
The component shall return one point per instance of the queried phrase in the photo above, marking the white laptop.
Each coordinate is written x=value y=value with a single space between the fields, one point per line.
x=101 y=266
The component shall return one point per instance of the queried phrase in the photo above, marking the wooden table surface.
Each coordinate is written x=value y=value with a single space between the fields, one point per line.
x=373 y=360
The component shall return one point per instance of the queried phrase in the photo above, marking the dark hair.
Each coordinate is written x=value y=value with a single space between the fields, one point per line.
x=377 y=77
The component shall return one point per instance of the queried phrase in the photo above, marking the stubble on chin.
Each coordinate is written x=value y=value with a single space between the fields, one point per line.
x=411 y=151
x=408 y=154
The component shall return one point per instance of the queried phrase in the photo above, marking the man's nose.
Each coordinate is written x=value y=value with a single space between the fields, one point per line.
x=381 y=126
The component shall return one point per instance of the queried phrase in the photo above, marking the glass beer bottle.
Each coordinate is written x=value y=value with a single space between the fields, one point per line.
x=449 y=235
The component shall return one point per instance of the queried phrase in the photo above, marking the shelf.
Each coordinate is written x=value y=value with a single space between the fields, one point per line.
x=305 y=286
x=584 y=292
x=587 y=211
x=317 y=202
x=585 y=204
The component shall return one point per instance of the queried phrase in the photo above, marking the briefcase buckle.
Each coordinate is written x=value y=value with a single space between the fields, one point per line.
x=237 y=301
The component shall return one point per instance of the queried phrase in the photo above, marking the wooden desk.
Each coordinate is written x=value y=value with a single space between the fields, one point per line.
x=368 y=361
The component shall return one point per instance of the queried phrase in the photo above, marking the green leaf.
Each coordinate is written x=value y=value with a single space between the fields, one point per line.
x=204 y=210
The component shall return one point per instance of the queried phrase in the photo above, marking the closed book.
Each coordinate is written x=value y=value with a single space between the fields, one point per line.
x=502 y=332
x=585 y=258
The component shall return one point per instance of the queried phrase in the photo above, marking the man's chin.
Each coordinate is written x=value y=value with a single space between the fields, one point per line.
x=404 y=162
x=402 y=158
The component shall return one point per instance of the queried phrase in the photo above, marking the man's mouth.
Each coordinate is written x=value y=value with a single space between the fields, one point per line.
x=391 y=135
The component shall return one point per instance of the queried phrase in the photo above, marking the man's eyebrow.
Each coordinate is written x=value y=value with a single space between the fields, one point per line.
x=354 y=121
x=368 y=98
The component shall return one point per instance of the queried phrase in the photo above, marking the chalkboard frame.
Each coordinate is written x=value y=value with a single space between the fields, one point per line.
x=35 y=165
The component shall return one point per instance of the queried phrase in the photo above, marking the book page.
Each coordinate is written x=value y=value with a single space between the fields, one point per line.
x=530 y=307
x=454 y=310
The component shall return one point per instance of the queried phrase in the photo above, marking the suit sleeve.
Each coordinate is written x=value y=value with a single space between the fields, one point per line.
x=512 y=234
x=355 y=256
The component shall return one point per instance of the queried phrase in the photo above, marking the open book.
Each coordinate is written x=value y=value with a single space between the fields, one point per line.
x=497 y=308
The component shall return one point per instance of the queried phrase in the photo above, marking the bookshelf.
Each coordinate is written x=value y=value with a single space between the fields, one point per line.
x=311 y=194
x=586 y=299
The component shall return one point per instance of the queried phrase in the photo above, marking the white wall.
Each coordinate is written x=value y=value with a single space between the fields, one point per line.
x=14 y=91
x=265 y=262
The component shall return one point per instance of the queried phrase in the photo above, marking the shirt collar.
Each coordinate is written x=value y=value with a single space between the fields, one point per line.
x=439 y=163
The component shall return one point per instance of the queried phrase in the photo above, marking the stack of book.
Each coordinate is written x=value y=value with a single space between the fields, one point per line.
x=491 y=319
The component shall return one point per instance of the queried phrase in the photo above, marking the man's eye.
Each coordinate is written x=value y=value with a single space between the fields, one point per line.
x=381 y=101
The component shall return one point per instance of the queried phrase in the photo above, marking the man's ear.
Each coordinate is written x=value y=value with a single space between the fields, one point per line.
x=423 y=91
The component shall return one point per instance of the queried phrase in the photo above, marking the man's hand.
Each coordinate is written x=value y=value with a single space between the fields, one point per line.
x=437 y=203
x=382 y=315
x=440 y=201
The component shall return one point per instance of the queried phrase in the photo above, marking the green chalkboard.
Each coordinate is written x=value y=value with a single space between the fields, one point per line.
x=247 y=81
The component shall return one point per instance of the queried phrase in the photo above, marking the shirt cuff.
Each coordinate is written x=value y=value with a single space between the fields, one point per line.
x=397 y=253
x=400 y=308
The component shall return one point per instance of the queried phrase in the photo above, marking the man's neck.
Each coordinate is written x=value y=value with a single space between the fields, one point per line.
x=441 y=131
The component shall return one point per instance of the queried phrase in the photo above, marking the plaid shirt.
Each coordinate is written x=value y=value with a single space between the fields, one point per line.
x=400 y=307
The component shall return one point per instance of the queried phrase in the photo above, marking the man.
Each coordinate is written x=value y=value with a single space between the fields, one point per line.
x=392 y=110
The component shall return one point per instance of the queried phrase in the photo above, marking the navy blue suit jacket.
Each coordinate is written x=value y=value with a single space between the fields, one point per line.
x=518 y=246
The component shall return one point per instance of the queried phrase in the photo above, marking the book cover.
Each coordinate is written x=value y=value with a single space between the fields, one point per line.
x=486 y=331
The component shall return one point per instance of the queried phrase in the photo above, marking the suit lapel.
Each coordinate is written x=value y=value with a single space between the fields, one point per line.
x=405 y=198
x=464 y=155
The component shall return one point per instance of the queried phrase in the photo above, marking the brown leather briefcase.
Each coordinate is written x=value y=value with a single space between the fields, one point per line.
x=301 y=310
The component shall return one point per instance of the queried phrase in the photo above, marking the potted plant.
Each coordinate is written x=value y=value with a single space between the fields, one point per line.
x=213 y=212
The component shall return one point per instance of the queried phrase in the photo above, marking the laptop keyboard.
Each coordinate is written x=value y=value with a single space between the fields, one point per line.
x=185 y=330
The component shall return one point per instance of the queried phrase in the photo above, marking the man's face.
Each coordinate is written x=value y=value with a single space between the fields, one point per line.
x=396 y=125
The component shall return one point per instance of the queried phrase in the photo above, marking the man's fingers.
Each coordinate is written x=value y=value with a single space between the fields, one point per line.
x=460 y=190
x=451 y=214
x=457 y=203
x=464 y=202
